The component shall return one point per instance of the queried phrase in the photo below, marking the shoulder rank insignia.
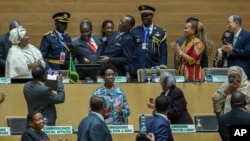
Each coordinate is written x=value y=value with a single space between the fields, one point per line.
x=49 y=33
x=157 y=34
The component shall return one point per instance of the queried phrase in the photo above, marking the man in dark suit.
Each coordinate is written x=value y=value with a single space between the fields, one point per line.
x=160 y=125
x=238 y=53
x=55 y=45
x=93 y=127
x=118 y=50
x=86 y=48
x=40 y=97
x=237 y=116
x=5 y=45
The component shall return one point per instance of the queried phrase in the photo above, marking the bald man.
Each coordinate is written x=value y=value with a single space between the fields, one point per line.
x=237 y=116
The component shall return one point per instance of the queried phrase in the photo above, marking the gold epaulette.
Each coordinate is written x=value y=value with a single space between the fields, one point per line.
x=49 y=33
x=67 y=34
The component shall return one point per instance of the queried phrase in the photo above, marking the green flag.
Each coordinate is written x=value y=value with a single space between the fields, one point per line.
x=73 y=75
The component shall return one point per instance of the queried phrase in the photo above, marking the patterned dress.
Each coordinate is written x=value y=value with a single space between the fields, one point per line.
x=191 y=69
x=114 y=98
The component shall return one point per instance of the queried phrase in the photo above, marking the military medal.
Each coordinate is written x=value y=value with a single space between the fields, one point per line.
x=138 y=39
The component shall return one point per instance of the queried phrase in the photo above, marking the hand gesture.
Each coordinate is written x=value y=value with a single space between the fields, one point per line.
x=119 y=109
x=2 y=97
x=151 y=136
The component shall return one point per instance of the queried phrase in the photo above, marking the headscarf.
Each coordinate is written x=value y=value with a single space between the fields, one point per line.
x=17 y=34
x=223 y=105
x=171 y=81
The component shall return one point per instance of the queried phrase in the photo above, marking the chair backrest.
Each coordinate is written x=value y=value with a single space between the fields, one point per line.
x=143 y=73
x=206 y=123
x=17 y=124
x=218 y=71
x=148 y=118
x=141 y=137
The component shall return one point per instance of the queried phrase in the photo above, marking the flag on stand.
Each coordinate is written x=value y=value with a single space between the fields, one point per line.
x=73 y=75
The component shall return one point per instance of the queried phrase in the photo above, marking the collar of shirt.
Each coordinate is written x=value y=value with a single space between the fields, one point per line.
x=150 y=28
x=166 y=93
x=237 y=33
x=162 y=115
x=41 y=83
x=93 y=42
x=59 y=34
x=99 y=115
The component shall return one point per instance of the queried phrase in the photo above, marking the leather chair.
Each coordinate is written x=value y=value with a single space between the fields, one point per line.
x=17 y=124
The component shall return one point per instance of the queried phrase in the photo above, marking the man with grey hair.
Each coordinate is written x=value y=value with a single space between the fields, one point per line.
x=238 y=47
x=5 y=45
x=178 y=113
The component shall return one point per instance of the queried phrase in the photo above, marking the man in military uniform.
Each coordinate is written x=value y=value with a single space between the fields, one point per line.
x=150 y=43
x=55 y=45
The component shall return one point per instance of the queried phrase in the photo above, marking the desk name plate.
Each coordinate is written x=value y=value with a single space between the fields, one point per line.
x=4 y=131
x=121 y=129
x=55 y=130
x=183 y=128
x=5 y=80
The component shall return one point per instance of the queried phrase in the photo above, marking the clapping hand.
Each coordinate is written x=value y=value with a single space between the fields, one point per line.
x=175 y=47
x=151 y=136
x=119 y=109
x=2 y=96
x=151 y=103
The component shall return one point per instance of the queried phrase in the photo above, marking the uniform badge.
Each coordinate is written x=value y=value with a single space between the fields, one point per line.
x=157 y=34
x=138 y=39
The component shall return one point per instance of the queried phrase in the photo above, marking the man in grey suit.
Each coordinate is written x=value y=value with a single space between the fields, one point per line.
x=93 y=127
x=237 y=116
x=40 y=97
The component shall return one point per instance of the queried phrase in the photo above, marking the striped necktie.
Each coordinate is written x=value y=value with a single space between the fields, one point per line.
x=92 y=46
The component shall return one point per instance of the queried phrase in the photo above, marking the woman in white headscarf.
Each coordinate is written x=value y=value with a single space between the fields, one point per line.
x=22 y=56
x=178 y=113
x=237 y=81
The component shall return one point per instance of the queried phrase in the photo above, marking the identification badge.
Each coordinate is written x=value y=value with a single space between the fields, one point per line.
x=144 y=45
x=62 y=56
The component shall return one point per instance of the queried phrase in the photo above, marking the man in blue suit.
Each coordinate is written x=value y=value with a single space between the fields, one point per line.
x=238 y=53
x=93 y=127
x=118 y=50
x=237 y=116
x=160 y=124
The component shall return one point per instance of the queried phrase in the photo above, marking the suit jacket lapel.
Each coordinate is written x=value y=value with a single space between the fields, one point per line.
x=112 y=38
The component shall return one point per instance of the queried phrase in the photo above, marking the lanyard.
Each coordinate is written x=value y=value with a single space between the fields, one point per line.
x=60 y=40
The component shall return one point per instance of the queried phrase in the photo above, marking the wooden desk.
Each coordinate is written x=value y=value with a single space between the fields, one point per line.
x=76 y=104
x=131 y=137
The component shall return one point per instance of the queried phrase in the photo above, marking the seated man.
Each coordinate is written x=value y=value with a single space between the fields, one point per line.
x=160 y=125
x=237 y=116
